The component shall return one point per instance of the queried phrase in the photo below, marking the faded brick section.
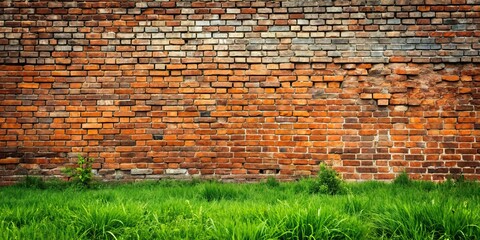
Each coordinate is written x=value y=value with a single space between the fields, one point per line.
x=240 y=90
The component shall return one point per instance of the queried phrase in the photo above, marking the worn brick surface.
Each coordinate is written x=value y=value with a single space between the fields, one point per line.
x=240 y=90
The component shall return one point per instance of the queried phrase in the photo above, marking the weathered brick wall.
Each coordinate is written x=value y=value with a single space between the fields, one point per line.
x=240 y=90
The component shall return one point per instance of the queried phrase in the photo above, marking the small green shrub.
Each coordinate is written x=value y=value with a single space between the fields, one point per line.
x=402 y=179
x=327 y=182
x=82 y=173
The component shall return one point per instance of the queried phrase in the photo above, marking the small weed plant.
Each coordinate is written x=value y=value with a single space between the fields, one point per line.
x=327 y=182
x=82 y=173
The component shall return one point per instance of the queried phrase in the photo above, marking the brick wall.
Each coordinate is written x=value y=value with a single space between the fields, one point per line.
x=240 y=90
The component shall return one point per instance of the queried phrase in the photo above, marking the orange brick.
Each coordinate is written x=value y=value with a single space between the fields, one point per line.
x=383 y=102
x=28 y=85
x=205 y=102
x=382 y=96
x=366 y=96
x=176 y=66
x=92 y=125
x=258 y=72
x=333 y=78
x=9 y=160
x=27 y=108
x=450 y=78
x=98 y=42
x=191 y=72
x=218 y=72
x=177 y=41
x=464 y=90
x=10 y=102
x=407 y=71
x=60 y=73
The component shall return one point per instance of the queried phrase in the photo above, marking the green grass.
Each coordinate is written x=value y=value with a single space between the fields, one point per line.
x=212 y=210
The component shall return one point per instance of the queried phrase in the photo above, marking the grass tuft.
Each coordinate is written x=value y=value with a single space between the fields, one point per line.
x=218 y=191
x=402 y=179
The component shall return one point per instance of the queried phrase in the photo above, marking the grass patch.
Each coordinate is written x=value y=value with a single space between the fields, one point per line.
x=213 y=210
x=217 y=191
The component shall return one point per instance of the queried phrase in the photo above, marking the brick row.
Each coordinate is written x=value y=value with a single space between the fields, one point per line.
x=283 y=32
